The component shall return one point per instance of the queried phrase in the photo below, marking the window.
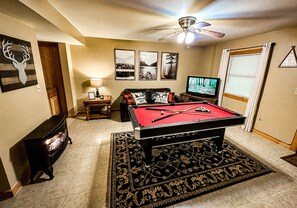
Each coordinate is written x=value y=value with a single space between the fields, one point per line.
x=241 y=74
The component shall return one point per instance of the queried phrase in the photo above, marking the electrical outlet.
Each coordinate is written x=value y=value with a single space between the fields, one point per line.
x=38 y=89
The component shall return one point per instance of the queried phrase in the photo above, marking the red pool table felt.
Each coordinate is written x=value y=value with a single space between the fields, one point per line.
x=145 y=116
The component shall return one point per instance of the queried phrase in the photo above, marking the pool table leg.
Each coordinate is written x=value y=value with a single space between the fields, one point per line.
x=219 y=140
x=147 y=147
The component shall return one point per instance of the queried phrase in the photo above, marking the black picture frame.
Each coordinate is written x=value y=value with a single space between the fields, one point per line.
x=148 y=65
x=124 y=64
x=17 y=63
x=169 y=66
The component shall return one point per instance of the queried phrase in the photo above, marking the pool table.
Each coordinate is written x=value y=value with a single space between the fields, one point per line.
x=162 y=124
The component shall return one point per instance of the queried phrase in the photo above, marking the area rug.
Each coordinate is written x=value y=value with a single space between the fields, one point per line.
x=179 y=171
x=292 y=159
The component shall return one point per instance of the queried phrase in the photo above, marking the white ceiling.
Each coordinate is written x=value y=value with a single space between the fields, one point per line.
x=136 y=19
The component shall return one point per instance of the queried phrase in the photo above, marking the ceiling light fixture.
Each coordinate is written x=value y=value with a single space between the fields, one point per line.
x=181 y=37
x=185 y=36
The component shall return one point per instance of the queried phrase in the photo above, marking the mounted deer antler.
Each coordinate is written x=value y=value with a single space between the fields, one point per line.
x=20 y=66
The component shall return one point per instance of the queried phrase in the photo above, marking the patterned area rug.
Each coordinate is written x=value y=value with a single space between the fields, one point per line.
x=178 y=172
x=292 y=159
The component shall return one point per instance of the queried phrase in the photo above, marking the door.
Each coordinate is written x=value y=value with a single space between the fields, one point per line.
x=50 y=59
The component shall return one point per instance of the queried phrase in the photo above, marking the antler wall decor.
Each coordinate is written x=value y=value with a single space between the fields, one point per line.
x=20 y=66
x=17 y=68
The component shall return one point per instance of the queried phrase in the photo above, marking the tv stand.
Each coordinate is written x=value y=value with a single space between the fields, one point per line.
x=189 y=97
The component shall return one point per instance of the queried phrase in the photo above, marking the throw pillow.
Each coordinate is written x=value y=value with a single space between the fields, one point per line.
x=128 y=97
x=150 y=96
x=139 y=98
x=161 y=97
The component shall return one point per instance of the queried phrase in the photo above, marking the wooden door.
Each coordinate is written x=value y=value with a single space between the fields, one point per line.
x=50 y=59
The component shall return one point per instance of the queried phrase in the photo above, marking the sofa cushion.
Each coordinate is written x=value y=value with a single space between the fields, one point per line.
x=139 y=97
x=161 y=97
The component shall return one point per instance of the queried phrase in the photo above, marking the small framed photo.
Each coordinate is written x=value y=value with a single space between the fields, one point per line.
x=124 y=64
x=91 y=95
x=169 y=65
x=148 y=61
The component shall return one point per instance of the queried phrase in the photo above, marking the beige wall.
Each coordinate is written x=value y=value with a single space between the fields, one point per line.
x=20 y=110
x=278 y=106
x=67 y=72
x=96 y=59
x=234 y=105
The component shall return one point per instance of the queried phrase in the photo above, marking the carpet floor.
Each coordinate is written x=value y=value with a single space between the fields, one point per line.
x=179 y=171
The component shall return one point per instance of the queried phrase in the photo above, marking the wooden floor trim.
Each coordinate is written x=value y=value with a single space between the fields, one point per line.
x=266 y=136
x=9 y=194
x=17 y=186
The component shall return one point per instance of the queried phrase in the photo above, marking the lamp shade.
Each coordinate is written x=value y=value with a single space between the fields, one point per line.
x=96 y=82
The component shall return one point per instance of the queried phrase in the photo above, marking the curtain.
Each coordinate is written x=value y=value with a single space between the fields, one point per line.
x=223 y=73
x=252 y=104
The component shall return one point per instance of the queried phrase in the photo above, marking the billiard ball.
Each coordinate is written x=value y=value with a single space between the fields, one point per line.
x=162 y=112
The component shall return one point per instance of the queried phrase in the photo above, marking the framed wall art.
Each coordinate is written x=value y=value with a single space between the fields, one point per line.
x=124 y=64
x=148 y=61
x=91 y=95
x=290 y=61
x=169 y=65
x=17 y=68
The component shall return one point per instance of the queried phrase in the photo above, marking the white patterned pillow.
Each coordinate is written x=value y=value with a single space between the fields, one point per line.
x=139 y=98
x=161 y=97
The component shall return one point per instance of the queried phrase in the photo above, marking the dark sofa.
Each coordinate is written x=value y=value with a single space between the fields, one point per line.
x=150 y=94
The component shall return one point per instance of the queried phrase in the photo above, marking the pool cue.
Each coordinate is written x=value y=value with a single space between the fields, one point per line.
x=169 y=115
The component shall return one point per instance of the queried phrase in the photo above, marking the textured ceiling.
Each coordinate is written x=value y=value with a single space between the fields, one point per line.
x=136 y=19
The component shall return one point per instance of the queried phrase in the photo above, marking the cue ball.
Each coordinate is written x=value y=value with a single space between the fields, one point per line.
x=162 y=112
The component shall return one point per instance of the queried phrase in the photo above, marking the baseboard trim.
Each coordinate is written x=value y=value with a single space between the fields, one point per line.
x=266 y=136
x=9 y=194
x=16 y=188
x=72 y=115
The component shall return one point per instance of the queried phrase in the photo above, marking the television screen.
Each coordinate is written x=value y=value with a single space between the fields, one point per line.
x=203 y=86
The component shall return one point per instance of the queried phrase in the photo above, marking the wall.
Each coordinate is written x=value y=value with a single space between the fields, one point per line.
x=67 y=71
x=96 y=59
x=20 y=110
x=278 y=105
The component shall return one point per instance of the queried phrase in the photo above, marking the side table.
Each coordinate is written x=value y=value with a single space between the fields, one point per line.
x=98 y=107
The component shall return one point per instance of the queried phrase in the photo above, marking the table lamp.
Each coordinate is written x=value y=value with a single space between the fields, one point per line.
x=96 y=82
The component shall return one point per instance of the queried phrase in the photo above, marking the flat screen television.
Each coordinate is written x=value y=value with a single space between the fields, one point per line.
x=203 y=86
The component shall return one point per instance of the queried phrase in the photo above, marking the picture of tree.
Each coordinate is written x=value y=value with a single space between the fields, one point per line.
x=169 y=65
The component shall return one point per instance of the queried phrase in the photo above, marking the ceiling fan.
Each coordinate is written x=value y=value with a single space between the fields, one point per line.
x=186 y=32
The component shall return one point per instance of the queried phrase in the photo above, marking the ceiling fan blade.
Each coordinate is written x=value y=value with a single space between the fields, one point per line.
x=202 y=24
x=170 y=35
x=211 y=33
x=168 y=28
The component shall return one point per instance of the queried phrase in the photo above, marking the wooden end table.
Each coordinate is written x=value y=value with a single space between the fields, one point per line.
x=98 y=107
